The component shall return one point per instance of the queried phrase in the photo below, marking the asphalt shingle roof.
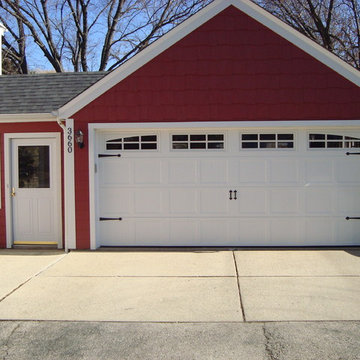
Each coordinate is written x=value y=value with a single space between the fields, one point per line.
x=42 y=93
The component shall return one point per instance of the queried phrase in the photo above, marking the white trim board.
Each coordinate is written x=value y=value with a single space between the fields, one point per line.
x=19 y=118
x=225 y=125
x=69 y=186
x=189 y=25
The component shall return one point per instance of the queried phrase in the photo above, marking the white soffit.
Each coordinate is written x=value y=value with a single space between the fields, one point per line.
x=189 y=25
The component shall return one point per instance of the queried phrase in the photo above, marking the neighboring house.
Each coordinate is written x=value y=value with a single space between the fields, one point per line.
x=231 y=130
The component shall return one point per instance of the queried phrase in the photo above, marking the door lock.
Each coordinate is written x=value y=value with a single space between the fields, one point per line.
x=13 y=193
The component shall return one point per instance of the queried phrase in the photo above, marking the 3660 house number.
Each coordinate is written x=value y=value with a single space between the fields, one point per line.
x=70 y=140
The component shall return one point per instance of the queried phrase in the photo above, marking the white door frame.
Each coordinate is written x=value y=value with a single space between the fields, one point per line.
x=8 y=137
x=94 y=127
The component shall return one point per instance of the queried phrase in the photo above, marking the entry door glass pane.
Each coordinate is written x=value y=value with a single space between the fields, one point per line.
x=34 y=169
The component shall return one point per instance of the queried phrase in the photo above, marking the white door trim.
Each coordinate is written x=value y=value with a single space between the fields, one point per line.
x=93 y=127
x=8 y=137
x=69 y=186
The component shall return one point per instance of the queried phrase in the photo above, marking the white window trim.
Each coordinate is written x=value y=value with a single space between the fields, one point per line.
x=213 y=132
x=268 y=132
x=140 y=142
x=329 y=132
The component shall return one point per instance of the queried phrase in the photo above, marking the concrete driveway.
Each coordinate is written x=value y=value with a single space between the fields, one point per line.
x=181 y=286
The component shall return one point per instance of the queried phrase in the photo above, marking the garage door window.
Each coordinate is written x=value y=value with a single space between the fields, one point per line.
x=198 y=141
x=267 y=141
x=332 y=141
x=143 y=142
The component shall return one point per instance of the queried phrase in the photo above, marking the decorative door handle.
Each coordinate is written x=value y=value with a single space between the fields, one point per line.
x=235 y=192
x=13 y=193
x=230 y=194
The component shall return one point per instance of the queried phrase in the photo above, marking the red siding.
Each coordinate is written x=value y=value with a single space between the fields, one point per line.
x=230 y=69
x=18 y=128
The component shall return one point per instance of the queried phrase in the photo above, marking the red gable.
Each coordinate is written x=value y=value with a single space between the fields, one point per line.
x=230 y=68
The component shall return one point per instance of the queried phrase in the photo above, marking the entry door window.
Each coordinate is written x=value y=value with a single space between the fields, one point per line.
x=34 y=166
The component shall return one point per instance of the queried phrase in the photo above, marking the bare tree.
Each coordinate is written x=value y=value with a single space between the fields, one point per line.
x=83 y=35
x=334 y=24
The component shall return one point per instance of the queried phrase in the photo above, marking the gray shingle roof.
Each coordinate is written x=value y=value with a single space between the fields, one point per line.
x=42 y=93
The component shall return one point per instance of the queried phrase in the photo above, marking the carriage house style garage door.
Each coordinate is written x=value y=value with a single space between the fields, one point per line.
x=226 y=187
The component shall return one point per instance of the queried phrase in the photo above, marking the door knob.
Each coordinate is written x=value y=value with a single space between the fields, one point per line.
x=13 y=192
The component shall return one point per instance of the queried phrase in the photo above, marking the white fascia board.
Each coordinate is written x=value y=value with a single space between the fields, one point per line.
x=189 y=25
x=227 y=125
x=2 y=29
x=19 y=118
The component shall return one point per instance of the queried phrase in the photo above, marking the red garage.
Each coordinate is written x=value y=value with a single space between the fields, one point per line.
x=232 y=129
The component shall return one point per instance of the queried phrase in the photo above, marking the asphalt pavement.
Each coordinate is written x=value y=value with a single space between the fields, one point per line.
x=185 y=304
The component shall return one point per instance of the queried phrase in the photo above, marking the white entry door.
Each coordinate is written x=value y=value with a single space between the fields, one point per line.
x=36 y=216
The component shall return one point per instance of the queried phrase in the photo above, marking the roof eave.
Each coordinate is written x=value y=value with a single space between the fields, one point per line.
x=31 y=117
x=189 y=25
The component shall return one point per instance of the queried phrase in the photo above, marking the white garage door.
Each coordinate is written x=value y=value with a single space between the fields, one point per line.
x=227 y=188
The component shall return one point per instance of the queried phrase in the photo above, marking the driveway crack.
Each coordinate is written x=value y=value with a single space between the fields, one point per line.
x=6 y=343
x=273 y=349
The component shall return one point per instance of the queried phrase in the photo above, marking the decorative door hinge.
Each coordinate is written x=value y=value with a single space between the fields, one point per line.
x=110 y=218
x=108 y=155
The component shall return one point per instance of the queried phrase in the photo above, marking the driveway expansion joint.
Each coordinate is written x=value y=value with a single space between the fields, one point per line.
x=239 y=289
x=32 y=277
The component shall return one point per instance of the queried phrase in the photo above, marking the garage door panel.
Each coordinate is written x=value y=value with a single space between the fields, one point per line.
x=347 y=232
x=116 y=233
x=250 y=231
x=114 y=172
x=252 y=201
x=214 y=201
x=147 y=171
x=319 y=231
x=115 y=201
x=148 y=202
x=348 y=200
x=183 y=201
x=284 y=201
x=182 y=171
x=151 y=231
x=214 y=171
x=285 y=171
x=318 y=171
x=213 y=232
x=252 y=171
x=286 y=231
x=347 y=170
x=184 y=232
x=319 y=200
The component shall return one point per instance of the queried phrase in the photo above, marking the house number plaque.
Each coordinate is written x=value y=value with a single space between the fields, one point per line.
x=70 y=140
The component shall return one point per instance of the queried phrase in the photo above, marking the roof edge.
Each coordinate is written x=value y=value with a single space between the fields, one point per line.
x=192 y=23
x=31 y=117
